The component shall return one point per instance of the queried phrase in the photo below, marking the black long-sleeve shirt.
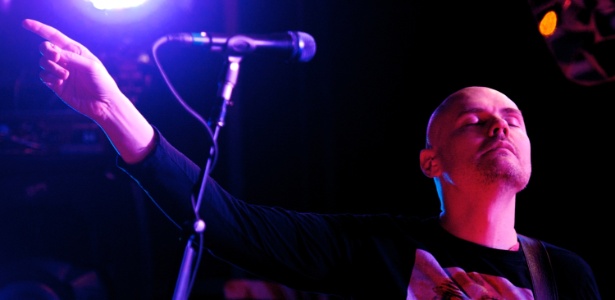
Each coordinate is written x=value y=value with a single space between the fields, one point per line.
x=353 y=256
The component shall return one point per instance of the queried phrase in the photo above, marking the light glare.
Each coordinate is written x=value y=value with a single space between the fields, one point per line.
x=115 y=4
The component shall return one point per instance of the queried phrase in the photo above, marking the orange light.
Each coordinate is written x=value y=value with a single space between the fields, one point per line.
x=548 y=24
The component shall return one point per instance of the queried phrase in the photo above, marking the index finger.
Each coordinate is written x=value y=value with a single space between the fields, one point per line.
x=49 y=33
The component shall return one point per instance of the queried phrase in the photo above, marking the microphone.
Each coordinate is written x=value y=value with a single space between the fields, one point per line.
x=291 y=45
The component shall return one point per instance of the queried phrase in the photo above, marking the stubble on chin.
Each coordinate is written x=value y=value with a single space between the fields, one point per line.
x=500 y=170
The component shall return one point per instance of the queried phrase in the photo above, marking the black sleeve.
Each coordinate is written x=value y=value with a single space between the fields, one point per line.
x=169 y=178
x=307 y=251
x=268 y=241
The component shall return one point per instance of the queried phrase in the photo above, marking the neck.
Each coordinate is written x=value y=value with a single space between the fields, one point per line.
x=491 y=224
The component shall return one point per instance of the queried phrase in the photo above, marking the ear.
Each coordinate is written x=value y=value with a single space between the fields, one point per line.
x=429 y=163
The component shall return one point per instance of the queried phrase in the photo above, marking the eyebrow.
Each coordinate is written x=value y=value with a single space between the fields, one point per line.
x=506 y=111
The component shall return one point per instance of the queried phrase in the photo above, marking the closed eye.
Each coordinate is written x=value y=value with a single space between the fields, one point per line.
x=513 y=122
x=471 y=120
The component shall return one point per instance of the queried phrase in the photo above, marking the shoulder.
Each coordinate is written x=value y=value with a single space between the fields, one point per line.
x=573 y=274
x=566 y=259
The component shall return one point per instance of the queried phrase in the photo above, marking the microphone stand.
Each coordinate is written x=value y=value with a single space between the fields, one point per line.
x=187 y=272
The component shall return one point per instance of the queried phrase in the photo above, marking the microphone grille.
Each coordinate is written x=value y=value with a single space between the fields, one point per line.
x=306 y=46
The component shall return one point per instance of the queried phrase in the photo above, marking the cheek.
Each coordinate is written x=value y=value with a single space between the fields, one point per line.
x=524 y=143
x=467 y=146
x=525 y=150
x=460 y=151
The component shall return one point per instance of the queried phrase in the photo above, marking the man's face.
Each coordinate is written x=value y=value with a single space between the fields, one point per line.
x=480 y=138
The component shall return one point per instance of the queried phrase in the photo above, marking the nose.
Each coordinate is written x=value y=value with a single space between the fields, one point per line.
x=498 y=127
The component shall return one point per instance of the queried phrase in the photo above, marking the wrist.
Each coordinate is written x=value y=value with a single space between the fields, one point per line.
x=128 y=131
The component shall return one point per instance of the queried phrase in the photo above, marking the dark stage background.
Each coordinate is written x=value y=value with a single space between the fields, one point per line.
x=340 y=133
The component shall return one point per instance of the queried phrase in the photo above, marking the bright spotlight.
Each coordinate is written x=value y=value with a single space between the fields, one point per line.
x=115 y=4
x=117 y=11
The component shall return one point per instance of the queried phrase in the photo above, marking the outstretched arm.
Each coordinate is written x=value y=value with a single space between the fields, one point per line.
x=253 y=237
x=80 y=79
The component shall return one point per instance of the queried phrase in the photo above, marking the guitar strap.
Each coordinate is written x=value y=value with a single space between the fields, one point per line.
x=541 y=272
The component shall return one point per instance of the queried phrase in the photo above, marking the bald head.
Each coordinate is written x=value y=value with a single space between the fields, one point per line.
x=454 y=100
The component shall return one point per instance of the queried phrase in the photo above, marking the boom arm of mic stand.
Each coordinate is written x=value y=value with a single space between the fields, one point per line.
x=187 y=272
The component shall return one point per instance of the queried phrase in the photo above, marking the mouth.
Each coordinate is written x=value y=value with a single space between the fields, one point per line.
x=501 y=146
